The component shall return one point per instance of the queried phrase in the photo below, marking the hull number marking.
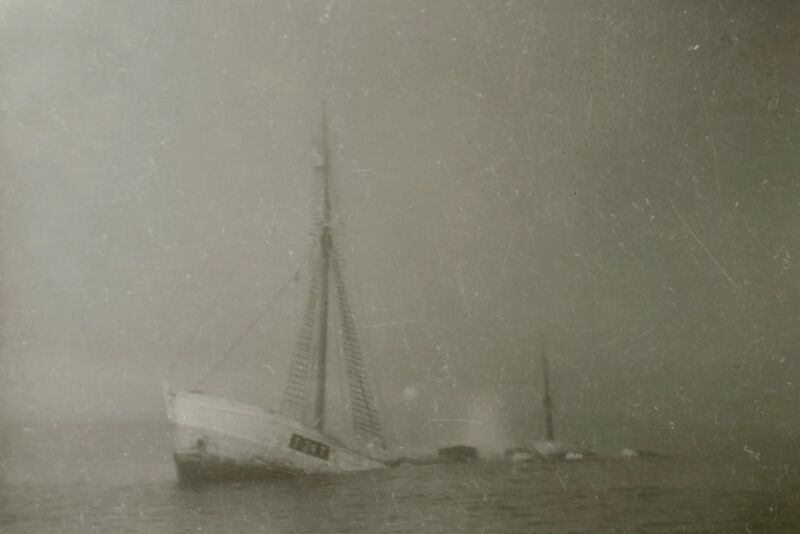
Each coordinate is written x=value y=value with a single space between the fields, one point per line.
x=309 y=446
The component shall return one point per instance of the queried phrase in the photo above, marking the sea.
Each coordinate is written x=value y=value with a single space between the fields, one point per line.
x=119 y=478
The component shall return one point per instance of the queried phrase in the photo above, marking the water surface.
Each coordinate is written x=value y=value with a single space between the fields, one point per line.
x=120 y=478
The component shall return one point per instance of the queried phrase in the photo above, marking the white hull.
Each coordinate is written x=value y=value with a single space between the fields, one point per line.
x=217 y=438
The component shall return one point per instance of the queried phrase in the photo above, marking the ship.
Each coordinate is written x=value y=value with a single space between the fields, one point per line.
x=549 y=447
x=221 y=438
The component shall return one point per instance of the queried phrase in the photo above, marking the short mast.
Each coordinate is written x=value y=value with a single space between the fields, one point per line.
x=324 y=265
x=547 y=403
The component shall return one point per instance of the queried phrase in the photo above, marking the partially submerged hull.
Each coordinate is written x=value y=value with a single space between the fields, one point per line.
x=219 y=438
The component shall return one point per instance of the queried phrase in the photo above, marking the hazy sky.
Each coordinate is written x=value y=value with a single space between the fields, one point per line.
x=621 y=177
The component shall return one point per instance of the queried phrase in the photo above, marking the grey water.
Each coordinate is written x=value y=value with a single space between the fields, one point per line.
x=119 y=477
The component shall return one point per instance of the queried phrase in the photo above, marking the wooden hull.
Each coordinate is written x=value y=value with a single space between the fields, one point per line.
x=216 y=438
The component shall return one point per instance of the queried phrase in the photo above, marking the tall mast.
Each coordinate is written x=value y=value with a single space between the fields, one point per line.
x=547 y=403
x=323 y=169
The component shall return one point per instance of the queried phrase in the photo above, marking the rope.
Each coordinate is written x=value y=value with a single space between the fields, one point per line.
x=203 y=319
x=249 y=327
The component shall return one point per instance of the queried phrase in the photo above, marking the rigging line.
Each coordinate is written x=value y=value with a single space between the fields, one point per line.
x=203 y=319
x=295 y=395
x=359 y=390
x=249 y=327
x=343 y=379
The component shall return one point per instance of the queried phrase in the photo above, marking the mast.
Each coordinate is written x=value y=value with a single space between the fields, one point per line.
x=324 y=266
x=547 y=402
x=309 y=362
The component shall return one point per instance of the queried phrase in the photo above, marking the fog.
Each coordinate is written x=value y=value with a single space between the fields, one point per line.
x=619 y=178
